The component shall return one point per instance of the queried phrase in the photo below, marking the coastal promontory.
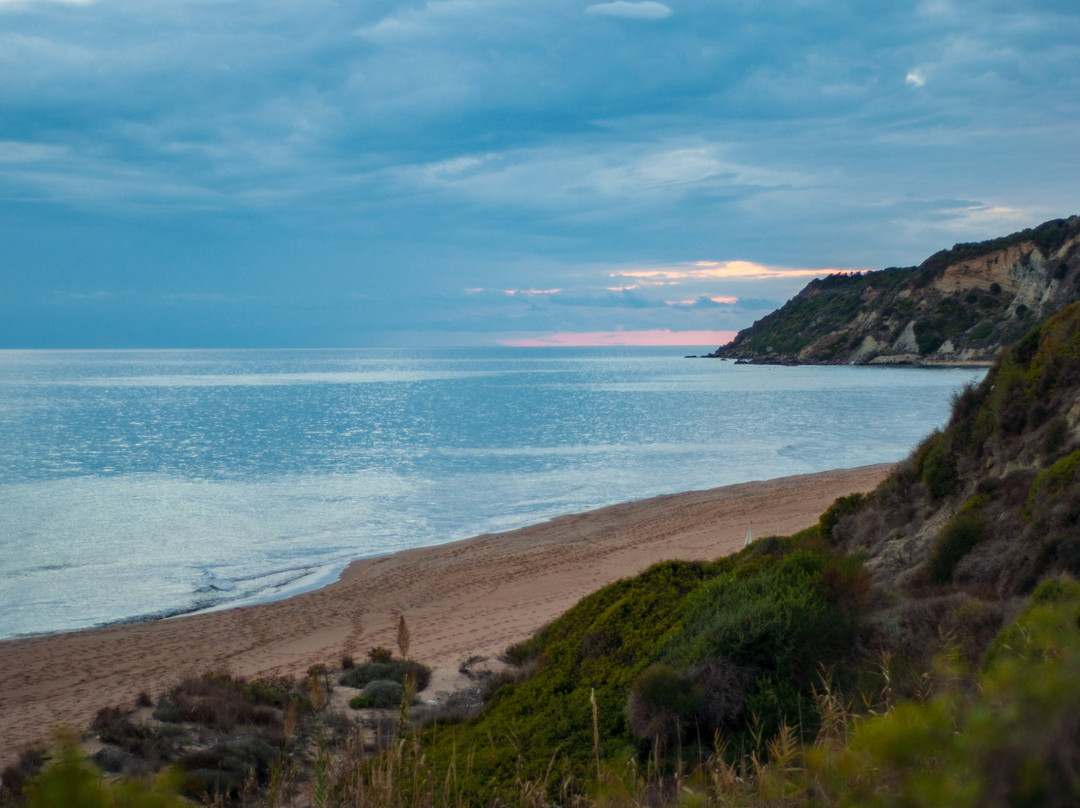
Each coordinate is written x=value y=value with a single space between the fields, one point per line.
x=959 y=306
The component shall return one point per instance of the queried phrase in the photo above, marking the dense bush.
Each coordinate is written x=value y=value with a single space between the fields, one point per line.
x=672 y=656
x=1008 y=740
x=379 y=694
x=929 y=336
x=223 y=702
x=396 y=670
x=666 y=706
x=724 y=688
x=522 y=653
x=772 y=614
x=16 y=775
x=226 y=767
x=1051 y=481
x=956 y=540
x=937 y=466
x=380 y=653
x=783 y=619
x=843 y=506
x=71 y=781
x=597 y=648
x=662 y=704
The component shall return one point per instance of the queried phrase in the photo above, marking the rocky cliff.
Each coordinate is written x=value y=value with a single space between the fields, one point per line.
x=991 y=502
x=960 y=305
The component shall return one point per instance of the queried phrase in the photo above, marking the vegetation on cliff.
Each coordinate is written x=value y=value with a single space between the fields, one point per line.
x=991 y=502
x=961 y=304
x=693 y=661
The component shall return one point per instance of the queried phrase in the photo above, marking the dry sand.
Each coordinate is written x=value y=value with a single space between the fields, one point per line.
x=469 y=598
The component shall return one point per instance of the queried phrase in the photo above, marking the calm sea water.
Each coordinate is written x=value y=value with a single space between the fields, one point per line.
x=150 y=483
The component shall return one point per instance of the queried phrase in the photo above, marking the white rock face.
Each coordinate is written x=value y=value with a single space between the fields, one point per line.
x=906 y=342
x=869 y=348
x=1033 y=284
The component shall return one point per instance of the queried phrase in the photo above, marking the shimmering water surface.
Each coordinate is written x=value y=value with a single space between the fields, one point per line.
x=149 y=483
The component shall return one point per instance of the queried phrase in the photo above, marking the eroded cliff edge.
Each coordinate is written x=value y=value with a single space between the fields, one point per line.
x=959 y=306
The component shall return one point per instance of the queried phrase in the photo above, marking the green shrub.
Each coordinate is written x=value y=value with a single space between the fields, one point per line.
x=1008 y=738
x=666 y=705
x=221 y=702
x=524 y=652
x=937 y=466
x=783 y=619
x=16 y=775
x=546 y=720
x=928 y=336
x=839 y=509
x=227 y=767
x=112 y=760
x=394 y=671
x=662 y=704
x=972 y=626
x=675 y=654
x=380 y=654
x=139 y=748
x=112 y=725
x=1052 y=480
x=379 y=694
x=723 y=688
x=776 y=546
x=72 y=782
x=1056 y=436
x=956 y=539
x=775 y=615
x=274 y=691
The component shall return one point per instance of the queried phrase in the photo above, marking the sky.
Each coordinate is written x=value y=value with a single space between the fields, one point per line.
x=232 y=173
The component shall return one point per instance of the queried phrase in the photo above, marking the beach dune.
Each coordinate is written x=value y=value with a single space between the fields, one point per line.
x=465 y=599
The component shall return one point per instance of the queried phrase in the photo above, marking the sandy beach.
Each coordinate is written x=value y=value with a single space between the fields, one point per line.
x=469 y=598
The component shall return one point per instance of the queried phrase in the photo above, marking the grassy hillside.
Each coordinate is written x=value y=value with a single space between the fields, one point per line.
x=670 y=658
x=935 y=560
x=961 y=304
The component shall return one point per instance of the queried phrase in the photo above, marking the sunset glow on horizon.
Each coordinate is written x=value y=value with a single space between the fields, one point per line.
x=722 y=270
x=724 y=300
x=656 y=337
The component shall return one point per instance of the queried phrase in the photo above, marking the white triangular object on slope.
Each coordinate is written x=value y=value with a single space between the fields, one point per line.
x=749 y=534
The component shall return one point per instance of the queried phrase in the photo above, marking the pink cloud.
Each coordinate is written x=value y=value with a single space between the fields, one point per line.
x=693 y=301
x=654 y=337
x=513 y=292
x=722 y=270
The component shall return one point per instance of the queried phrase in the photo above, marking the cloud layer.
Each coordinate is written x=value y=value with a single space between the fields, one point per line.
x=325 y=173
x=646 y=10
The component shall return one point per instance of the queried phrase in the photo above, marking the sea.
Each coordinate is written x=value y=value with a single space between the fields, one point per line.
x=137 y=485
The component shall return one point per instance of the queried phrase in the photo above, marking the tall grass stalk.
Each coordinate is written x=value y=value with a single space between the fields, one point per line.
x=596 y=733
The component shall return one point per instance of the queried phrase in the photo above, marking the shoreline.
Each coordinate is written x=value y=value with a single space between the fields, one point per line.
x=961 y=364
x=464 y=599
